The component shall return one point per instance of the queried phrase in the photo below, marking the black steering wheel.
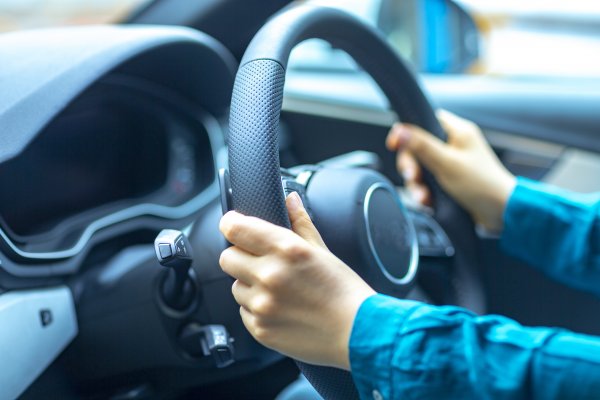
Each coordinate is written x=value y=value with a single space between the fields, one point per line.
x=254 y=168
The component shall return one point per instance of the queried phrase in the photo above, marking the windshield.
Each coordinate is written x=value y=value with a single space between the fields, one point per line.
x=539 y=37
x=30 y=14
x=513 y=37
x=542 y=38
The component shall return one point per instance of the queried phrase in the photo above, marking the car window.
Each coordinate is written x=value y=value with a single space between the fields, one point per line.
x=29 y=14
x=555 y=38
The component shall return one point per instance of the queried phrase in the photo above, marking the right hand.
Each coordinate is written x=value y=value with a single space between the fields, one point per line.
x=295 y=296
x=466 y=167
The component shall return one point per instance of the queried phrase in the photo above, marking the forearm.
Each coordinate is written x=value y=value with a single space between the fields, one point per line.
x=408 y=350
x=555 y=231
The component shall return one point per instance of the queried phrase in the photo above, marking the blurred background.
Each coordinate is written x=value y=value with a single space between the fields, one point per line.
x=29 y=14
x=543 y=38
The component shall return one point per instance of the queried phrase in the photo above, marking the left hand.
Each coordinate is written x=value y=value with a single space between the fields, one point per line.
x=466 y=167
x=295 y=296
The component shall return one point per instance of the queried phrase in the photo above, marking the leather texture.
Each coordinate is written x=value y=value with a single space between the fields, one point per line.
x=253 y=142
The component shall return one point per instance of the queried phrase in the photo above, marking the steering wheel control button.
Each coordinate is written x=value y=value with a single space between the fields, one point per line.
x=173 y=250
x=290 y=185
x=433 y=241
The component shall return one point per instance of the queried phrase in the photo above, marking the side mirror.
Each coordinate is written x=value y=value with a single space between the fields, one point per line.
x=438 y=36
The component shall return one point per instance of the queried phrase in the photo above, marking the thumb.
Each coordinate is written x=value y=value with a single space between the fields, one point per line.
x=301 y=222
x=428 y=149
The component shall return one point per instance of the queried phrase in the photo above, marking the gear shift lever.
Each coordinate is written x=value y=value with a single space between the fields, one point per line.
x=173 y=251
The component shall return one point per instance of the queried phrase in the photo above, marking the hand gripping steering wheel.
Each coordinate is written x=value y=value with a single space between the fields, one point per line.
x=255 y=175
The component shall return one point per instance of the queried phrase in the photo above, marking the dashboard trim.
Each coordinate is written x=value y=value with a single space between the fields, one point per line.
x=36 y=325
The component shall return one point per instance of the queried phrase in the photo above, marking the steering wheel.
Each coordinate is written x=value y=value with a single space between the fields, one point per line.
x=255 y=175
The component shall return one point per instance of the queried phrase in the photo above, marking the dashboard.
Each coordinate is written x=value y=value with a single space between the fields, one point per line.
x=128 y=153
x=108 y=138
x=124 y=149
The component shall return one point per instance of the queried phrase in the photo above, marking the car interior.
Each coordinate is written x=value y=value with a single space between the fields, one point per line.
x=121 y=145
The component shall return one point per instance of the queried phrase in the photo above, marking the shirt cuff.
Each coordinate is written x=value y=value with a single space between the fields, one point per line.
x=537 y=221
x=373 y=340
x=526 y=217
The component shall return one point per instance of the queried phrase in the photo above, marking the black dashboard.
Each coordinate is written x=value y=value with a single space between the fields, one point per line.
x=111 y=149
x=124 y=149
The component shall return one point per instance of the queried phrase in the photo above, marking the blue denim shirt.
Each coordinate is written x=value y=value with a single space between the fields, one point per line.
x=402 y=349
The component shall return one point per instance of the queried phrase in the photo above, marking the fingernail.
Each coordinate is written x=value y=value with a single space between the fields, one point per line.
x=295 y=202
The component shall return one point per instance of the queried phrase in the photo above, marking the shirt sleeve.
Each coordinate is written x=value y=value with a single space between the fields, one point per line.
x=401 y=349
x=556 y=231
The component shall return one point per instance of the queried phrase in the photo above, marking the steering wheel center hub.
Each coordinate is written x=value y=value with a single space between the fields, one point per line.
x=363 y=222
x=390 y=234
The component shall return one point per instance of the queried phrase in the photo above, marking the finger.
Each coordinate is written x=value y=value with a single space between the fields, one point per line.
x=241 y=293
x=420 y=193
x=301 y=222
x=428 y=149
x=391 y=140
x=408 y=166
x=459 y=130
x=413 y=178
x=251 y=234
x=248 y=319
x=238 y=264
x=395 y=138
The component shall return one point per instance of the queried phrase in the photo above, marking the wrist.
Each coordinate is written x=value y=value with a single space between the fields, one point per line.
x=506 y=188
x=489 y=214
x=342 y=353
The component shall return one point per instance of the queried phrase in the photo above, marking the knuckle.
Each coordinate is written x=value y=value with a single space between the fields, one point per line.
x=283 y=247
x=470 y=126
x=273 y=278
x=232 y=230
x=295 y=250
x=264 y=306
x=225 y=258
x=470 y=130
x=226 y=255
x=235 y=287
